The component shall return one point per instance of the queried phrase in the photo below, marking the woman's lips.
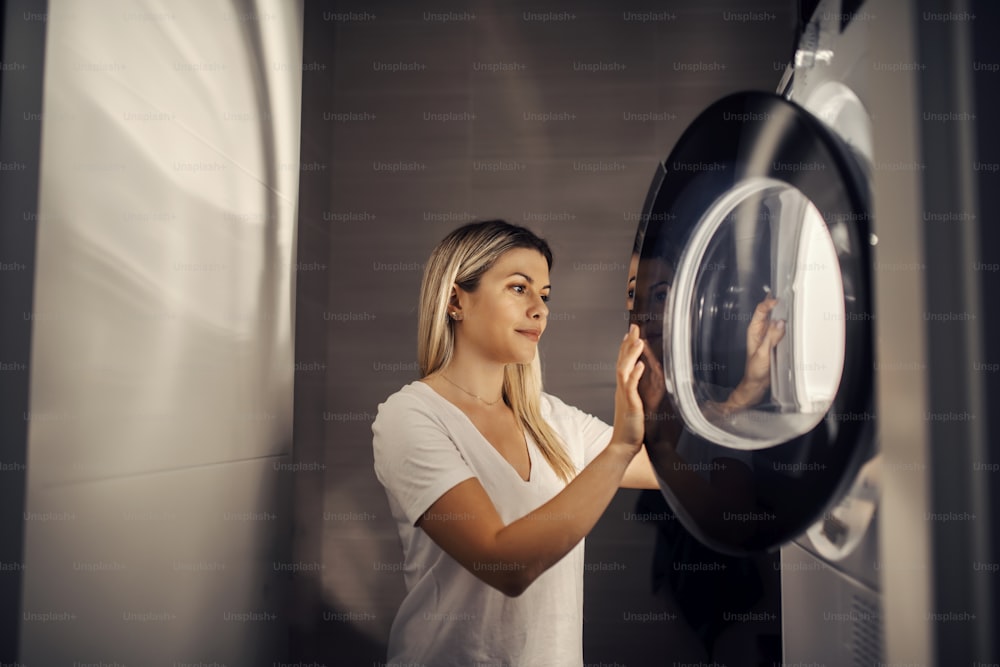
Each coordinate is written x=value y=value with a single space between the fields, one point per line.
x=532 y=334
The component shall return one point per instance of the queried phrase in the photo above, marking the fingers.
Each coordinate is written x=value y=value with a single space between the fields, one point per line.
x=759 y=323
x=630 y=368
x=632 y=383
x=762 y=313
x=632 y=347
x=633 y=332
x=765 y=306
x=651 y=360
x=633 y=363
x=775 y=333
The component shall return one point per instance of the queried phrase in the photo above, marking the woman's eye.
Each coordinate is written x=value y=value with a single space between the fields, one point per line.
x=631 y=294
x=523 y=289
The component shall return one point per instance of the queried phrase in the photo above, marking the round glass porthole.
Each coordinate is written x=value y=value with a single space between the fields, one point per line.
x=755 y=320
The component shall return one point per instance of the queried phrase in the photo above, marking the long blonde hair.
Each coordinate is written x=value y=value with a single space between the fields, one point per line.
x=462 y=258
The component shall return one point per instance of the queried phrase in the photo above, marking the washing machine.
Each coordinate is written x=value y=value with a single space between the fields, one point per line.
x=754 y=296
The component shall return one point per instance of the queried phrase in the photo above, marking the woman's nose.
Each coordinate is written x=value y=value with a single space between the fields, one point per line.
x=539 y=309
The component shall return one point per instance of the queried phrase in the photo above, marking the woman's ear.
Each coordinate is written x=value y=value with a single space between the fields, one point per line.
x=454 y=303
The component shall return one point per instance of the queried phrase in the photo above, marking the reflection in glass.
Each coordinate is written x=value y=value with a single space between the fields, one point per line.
x=754 y=327
x=751 y=292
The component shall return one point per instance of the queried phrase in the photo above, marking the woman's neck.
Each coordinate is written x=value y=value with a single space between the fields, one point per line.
x=483 y=381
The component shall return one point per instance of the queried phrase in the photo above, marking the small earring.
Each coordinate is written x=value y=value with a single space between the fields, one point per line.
x=454 y=315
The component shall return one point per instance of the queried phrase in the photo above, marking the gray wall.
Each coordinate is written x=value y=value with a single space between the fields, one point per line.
x=158 y=511
x=404 y=155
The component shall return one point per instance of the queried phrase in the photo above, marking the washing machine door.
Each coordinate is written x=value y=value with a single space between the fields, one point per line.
x=752 y=293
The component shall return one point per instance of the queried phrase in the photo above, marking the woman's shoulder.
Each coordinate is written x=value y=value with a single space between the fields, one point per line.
x=416 y=401
x=414 y=398
x=554 y=407
x=410 y=412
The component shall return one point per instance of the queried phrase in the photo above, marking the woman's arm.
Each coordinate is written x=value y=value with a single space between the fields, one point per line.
x=465 y=523
x=639 y=474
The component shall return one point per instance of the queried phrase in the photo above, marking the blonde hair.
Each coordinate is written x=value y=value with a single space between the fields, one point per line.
x=462 y=258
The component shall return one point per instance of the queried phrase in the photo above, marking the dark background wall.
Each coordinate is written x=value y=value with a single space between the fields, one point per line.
x=418 y=117
x=18 y=192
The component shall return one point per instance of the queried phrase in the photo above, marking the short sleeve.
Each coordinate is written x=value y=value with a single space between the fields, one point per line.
x=593 y=433
x=596 y=434
x=415 y=459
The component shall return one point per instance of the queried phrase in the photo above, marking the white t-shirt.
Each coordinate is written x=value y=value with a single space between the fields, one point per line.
x=425 y=445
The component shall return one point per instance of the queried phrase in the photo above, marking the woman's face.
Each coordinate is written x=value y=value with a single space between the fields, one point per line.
x=648 y=304
x=504 y=318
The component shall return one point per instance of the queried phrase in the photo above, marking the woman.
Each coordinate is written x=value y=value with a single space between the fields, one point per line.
x=493 y=483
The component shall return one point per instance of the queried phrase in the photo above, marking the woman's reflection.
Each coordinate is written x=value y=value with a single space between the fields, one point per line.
x=721 y=485
x=705 y=583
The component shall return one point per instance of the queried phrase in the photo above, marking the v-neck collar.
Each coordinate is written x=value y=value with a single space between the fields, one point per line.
x=528 y=441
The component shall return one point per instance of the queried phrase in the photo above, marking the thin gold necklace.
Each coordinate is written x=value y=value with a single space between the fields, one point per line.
x=471 y=394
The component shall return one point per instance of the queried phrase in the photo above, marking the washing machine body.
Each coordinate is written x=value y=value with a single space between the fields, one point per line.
x=830 y=576
x=754 y=295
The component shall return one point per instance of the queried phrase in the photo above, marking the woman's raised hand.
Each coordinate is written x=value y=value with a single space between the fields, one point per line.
x=629 y=423
x=762 y=335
